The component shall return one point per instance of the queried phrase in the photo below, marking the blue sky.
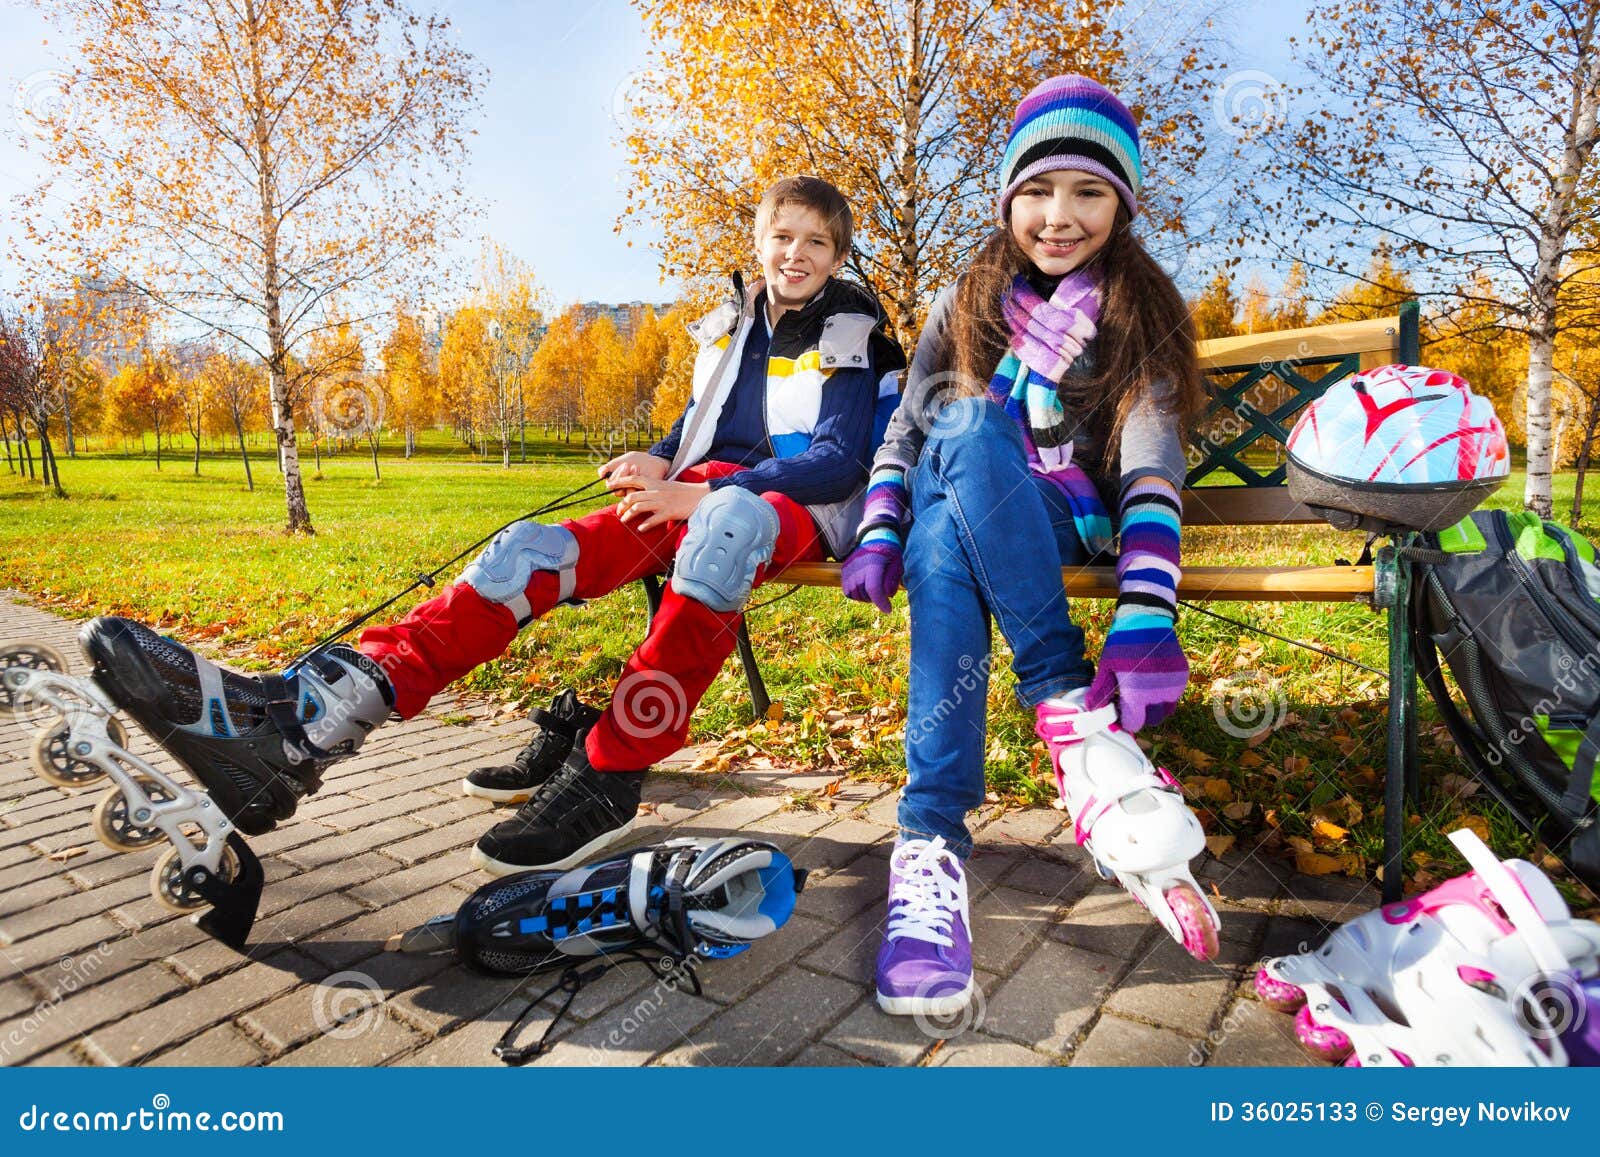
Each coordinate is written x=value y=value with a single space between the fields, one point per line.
x=545 y=160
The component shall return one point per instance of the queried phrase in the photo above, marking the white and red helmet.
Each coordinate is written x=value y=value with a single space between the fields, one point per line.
x=1397 y=446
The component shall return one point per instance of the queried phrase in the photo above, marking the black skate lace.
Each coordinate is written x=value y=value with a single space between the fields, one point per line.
x=573 y=980
x=675 y=954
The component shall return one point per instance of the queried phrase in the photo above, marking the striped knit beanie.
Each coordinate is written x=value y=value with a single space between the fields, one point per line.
x=1072 y=122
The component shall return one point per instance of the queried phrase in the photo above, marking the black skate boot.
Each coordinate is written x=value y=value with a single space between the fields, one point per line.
x=557 y=728
x=573 y=815
x=258 y=744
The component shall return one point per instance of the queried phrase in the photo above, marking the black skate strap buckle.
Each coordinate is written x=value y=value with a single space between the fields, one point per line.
x=283 y=709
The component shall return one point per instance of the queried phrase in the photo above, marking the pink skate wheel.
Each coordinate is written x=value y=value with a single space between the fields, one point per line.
x=1352 y=1061
x=1278 y=994
x=1321 y=1040
x=1194 y=917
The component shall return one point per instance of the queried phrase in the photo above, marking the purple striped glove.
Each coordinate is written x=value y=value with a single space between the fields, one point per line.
x=874 y=570
x=1142 y=666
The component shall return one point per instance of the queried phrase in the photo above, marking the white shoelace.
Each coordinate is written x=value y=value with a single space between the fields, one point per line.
x=926 y=897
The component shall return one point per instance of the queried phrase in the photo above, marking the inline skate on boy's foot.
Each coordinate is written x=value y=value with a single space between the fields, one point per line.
x=1130 y=816
x=1486 y=969
x=256 y=745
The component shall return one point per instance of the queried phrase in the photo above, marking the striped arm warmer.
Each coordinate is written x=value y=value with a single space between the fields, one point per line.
x=1147 y=564
x=884 y=517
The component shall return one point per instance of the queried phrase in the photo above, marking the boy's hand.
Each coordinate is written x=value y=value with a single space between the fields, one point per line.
x=652 y=502
x=634 y=464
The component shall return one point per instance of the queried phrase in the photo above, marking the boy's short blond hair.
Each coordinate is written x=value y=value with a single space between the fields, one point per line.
x=810 y=193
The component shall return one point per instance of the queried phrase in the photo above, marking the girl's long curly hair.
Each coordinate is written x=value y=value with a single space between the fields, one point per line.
x=1145 y=338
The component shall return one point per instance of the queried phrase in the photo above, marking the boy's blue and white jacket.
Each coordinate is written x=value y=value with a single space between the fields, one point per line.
x=807 y=421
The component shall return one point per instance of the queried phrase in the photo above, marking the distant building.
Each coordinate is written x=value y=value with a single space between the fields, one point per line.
x=110 y=319
x=625 y=317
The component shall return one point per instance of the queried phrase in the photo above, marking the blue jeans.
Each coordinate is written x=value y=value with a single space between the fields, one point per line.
x=988 y=539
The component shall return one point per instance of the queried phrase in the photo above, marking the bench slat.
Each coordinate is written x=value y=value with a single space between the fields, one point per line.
x=1242 y=506
x=1374 y=336
x=1277 y=584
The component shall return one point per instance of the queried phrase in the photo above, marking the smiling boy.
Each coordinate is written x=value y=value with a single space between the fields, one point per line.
x=766 y=467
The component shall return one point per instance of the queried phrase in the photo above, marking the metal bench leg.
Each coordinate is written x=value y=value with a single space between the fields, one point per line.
x=652 y=599
x=760 y=702
x=1400 y=784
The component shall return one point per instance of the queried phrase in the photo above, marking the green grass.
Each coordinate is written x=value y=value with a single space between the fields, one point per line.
x=205 y=558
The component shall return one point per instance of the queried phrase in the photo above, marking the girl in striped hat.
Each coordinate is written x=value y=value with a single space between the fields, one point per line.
x=1051 y=386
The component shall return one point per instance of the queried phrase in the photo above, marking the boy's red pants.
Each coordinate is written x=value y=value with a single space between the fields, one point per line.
x=648 y=716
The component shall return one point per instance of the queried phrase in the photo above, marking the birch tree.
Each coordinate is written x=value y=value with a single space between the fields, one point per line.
x=511 y=301
x=1462 y=134
x=237 y=386
x=241 y=161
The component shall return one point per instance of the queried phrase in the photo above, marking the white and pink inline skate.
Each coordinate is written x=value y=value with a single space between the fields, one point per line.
x=1130 y=816
x=1485 y=969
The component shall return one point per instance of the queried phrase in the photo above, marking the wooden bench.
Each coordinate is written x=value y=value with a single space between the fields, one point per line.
x=1257 y=384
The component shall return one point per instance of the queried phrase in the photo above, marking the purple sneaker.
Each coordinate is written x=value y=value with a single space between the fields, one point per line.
x=925 y=964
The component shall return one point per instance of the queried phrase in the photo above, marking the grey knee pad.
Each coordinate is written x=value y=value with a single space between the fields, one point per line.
x=502 y=572
x=731 y=534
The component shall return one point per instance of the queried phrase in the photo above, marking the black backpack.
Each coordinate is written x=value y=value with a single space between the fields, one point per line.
x=1514 y=613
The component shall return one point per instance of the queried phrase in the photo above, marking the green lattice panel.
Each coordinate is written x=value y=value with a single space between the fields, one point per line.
x=1253 y=402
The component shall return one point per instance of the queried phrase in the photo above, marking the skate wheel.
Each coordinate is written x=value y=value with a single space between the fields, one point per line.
x=33 y=657
x=116 y=828
x=53 y=760
x=1194 y=917
x=169 y=887
x=1322 y=1041
x=1278 y=994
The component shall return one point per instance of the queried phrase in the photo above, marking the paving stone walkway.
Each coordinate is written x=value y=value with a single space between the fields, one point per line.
x=96 y=972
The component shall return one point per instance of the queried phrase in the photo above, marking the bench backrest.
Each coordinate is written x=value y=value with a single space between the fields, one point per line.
x=1258 y=383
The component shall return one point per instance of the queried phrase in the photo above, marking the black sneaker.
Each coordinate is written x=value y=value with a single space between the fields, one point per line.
x=557 y=727
x=573 y=815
